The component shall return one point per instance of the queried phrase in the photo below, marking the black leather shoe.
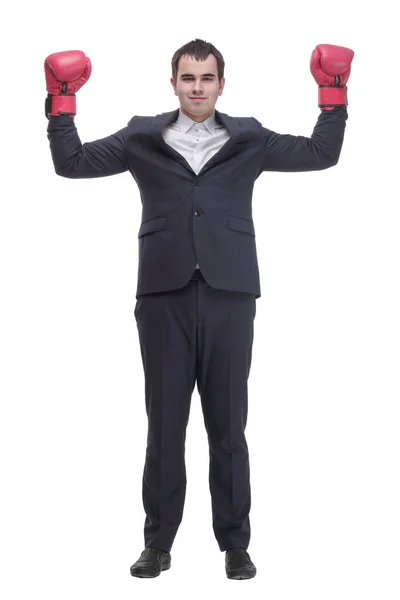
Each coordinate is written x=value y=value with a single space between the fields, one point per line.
x=151 y=562
x=238 y=564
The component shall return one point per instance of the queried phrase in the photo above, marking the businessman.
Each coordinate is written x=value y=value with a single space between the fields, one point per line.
x=198 y=277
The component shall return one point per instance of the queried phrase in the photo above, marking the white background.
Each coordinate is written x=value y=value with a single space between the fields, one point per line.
x=324 y=391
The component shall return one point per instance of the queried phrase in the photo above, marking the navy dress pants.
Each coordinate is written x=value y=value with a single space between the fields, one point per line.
x=196 y=333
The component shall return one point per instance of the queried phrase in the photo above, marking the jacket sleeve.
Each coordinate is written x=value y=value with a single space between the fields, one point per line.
x=284 y=152
x=75 y=160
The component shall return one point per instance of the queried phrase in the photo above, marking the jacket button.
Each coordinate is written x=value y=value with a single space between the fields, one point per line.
x=197 y=213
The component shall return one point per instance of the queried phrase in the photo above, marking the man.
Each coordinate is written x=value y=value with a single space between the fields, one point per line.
x=198 y=277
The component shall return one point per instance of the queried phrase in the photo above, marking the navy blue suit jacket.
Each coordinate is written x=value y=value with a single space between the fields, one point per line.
x=188 y=218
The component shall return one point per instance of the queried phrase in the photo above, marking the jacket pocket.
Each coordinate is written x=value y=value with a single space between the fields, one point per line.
x=154 y=225
x=241 y=224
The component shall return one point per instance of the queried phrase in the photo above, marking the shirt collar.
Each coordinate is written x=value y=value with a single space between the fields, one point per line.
x=185 y=123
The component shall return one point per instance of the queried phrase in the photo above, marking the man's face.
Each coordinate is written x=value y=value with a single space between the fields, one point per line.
x=197 y=79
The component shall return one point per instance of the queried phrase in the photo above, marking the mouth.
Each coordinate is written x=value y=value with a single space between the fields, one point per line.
x=198 y=99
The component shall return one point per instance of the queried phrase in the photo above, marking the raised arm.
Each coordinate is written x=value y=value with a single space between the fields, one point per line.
x=66 y=72
x=330 y=67
x=286 y=153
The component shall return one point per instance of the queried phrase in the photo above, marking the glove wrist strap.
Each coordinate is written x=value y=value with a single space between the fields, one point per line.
x=60 y=104
x=332 y=95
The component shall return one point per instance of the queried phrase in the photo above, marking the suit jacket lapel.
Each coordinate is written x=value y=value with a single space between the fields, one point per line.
x=162 y=120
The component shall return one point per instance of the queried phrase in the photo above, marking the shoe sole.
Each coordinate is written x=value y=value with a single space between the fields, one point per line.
x=145 y=575
x=241 y=575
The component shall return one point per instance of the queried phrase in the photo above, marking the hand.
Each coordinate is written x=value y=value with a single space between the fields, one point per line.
x=66 y=72
x=330 y=67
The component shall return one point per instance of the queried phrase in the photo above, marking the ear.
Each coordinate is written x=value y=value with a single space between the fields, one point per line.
x=172 y=80
x=221 y=86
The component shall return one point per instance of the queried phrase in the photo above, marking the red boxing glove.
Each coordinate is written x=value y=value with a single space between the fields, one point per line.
x=330 y=67
x=66 y=72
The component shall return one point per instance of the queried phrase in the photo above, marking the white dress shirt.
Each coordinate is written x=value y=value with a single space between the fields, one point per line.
x=197 y=142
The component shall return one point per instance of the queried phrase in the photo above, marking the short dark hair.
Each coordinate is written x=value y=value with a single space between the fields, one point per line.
x=199 y=50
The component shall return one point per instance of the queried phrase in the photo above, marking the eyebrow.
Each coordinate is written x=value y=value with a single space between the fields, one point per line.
x=204 y=75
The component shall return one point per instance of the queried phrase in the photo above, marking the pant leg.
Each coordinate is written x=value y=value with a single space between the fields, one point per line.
x=225 y=340
x=166 y=325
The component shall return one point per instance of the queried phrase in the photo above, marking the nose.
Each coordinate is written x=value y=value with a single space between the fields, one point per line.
x=197 y=87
